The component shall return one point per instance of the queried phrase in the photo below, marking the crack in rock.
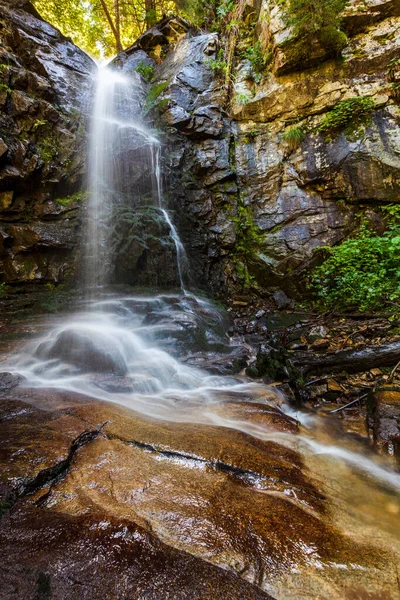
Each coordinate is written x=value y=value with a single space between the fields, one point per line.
x=52 y=475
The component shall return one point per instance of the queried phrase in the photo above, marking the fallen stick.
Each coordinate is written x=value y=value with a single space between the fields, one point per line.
x=336 y=410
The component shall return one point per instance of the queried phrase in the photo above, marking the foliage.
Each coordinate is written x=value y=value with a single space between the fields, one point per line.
x=68 y=200
x=153 y=93
x=103 y=27
x=218 y=65
x=348 y=116
x=48 y=149
x=258 y=59
x=362 y=272
x=315 y=20
x=242 y=98
x=248 y=238
x=146 y=71
x=293 y=137
x=3 y=289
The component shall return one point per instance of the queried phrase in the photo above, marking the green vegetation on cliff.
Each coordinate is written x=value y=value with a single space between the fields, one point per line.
x=347 y=116
x=363 y=272
x=315 y=20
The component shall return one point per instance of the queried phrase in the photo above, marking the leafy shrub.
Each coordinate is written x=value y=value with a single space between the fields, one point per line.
x=348 y=116
x=362 y=272
x=146 y=71
x=293 y=137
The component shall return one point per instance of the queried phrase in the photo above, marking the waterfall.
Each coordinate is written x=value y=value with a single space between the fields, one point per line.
x=117 y=138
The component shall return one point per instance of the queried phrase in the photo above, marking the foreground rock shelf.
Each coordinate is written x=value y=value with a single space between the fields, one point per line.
x=99 y=501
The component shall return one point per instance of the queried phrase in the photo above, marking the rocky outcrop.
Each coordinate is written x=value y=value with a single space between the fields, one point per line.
x=100 y=501
x=253 y=205
x=45 y=90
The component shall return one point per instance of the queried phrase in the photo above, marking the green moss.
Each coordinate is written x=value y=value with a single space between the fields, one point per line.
x=48 y=149
x=5 y=88
x=68 y=200
x=347 y=116
x=248 y=240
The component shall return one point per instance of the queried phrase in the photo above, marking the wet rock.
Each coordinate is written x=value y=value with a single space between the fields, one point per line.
x=84 y=352
x=43 y=155
x=319 y=331
x=170 y=508
x=9 y=381
x=384 y=419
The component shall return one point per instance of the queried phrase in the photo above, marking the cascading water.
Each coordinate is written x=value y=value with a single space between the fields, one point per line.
x=139 y=351
x=117 y=178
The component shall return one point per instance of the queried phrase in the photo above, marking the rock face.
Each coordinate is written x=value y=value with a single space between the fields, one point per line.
x=45 y=92
x=252 y=206
x=99 y=501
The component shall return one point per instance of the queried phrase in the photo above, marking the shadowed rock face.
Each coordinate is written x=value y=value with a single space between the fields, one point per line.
x=230 y=169
x=45 y=97
x=99 y=501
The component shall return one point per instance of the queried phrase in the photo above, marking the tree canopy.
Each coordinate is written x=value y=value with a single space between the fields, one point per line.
x=103 y=27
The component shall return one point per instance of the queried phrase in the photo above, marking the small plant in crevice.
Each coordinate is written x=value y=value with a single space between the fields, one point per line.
x=250 y=136
x=5 y=88
x=258 y=59
x=241 y=98
x=293 y=137
x=218 y=64
x=153 y=94
x=146 y=71
x=393 y=75
x=348 y=116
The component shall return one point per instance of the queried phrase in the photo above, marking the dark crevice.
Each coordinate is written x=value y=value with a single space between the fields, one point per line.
x=245 y=476
x=52 y=475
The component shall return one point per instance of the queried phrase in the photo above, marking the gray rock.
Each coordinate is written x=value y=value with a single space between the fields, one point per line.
x=281 y=300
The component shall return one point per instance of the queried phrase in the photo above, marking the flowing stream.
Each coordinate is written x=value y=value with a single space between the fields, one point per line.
x=144 y=351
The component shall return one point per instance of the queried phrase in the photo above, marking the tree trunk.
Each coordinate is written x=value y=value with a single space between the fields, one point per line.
x=116 y=33
x=351 y=361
